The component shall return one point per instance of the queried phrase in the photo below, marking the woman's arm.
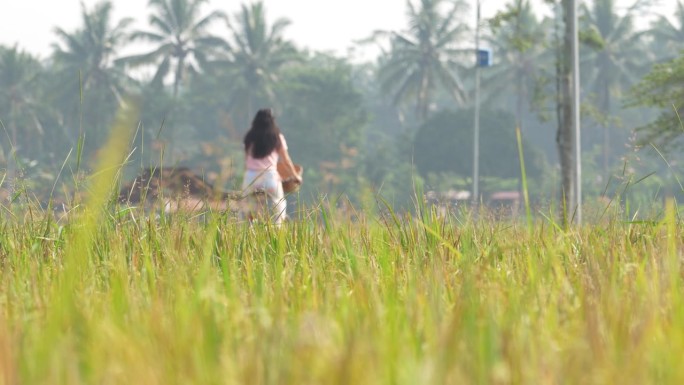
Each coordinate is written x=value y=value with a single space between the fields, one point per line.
x=285 y=158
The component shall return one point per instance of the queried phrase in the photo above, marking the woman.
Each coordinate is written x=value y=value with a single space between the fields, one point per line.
x=265 y=146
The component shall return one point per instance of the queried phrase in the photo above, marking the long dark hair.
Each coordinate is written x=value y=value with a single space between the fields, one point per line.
x=264 y=136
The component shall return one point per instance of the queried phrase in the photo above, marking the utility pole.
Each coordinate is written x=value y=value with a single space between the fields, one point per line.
x=476 y=128
x=576 y=113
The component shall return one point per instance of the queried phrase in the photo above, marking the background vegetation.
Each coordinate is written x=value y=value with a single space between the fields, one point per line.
x=379 y=126
x=110 y=294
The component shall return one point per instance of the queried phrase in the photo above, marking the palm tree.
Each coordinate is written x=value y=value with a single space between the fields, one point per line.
x=257 y=54
x=20 y=104
x=425 y=57
x=669 y=36
x=182 y=41
x=518 y=42
x=91 y=51
x=617 y=60
x=88 y=85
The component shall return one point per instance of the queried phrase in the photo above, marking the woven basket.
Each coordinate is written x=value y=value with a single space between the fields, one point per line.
x=290 y=185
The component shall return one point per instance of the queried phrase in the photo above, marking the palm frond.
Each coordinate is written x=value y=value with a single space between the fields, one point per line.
x=162 y=71
x=147 y=36
x=214 y=16
x=147 y=58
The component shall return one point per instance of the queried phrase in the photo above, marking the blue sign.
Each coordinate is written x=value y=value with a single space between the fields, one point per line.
x=484 y=58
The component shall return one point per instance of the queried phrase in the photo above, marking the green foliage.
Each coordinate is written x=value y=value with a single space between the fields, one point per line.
x=323 y=117
x=516 y=28
x=445 y=144
x=663 y=89
x=21 y=90
x=88 y=87
x=257 y=55
x=518 y=76
x=591 y=37
x=667 y=32
x=349 y=136
x=425 y=57
x=617 y=56
x=182 y=42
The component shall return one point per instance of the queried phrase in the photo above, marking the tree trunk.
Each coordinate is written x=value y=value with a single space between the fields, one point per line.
x=248 y=110
x=566 y=135
x=178 y=78
x=606 y=131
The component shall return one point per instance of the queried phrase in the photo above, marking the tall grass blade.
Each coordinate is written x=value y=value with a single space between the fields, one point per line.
x=523 y=176
x=100 y=186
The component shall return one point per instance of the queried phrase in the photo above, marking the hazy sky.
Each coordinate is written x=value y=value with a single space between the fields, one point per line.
x=330 y=25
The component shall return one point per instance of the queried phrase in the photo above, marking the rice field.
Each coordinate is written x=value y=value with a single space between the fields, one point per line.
x=115 y=296
x=431 y=300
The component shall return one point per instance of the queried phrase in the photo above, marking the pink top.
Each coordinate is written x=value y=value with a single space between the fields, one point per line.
x=268 y=162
